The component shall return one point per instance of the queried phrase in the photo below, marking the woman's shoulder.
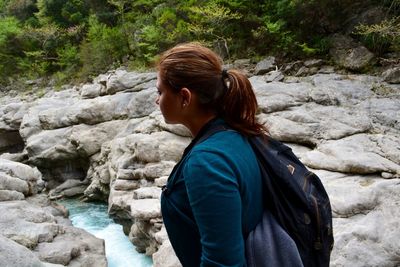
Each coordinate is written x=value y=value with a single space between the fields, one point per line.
x=221 y=140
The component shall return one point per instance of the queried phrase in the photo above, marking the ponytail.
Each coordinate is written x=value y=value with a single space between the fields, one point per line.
x=239 y=104
x=227 y=93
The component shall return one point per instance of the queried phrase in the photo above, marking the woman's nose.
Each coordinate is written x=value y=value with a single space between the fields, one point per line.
x=158 y=100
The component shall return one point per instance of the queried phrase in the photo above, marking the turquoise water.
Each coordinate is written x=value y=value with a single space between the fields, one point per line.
x=93 y=217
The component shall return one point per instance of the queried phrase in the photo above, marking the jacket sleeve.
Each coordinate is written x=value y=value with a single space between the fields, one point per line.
x=215 y=200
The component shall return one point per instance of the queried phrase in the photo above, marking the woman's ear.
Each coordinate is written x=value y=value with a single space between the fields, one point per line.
x=186 y=96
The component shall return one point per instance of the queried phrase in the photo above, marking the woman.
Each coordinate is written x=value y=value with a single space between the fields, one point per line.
x=213 y=197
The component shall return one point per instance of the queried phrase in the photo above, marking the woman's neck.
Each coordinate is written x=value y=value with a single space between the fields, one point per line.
x=196 y=124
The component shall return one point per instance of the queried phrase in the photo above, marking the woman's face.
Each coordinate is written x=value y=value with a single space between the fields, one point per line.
x=169 y=102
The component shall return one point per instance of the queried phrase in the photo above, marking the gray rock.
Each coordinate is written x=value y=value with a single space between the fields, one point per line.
x=20 y=177
x=11 y=183
x=145 y=209
x=15 y=255
x=343 y=90
x=306 y=71
x=313 y=63
x=327 y=69
x=359 y=153
x=88 y=139
x=143 y=103
x=172 y=128
x=292 y=67
x=147 y=192
x=277 y=96
x=88 y=111
x=56 y=148
x=274 y=75
x=125 y=185
x=265 y=66
x=160 y=182
x=70 y=188
x=11 y=115
x=91 y=90
x=30 y=122
x=392 y=75
x=365 y=219
x=241 y=63
x=18 y=157
x=165 y=256
x=133 y=81
x=384 y=112
x=35 y=224
x=73 y=247
x=7 y=195
x=119 y=204
x=311 y=122
x=349 y=54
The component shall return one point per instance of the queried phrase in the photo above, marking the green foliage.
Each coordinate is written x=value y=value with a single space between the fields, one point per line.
x=9 y=30
x=382 y=37
x=103 y=47
x=81 y=38
x=21 y=9
x=62 y=13
x=68 y=57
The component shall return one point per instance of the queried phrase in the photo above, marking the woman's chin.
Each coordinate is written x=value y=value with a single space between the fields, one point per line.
x=169 y=121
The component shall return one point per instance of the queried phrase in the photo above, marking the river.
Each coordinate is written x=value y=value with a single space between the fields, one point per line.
x=93 y=217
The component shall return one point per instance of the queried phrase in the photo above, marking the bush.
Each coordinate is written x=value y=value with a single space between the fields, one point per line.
x=383 y=37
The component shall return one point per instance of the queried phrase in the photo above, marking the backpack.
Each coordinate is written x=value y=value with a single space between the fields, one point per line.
x=295 y=198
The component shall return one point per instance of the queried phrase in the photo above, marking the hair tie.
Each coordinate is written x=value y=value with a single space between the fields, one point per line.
x=224 y=73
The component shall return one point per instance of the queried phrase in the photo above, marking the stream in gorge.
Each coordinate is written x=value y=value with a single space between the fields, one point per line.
x=93 y=217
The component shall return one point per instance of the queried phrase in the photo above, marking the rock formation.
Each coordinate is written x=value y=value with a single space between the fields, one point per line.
x=108 y=141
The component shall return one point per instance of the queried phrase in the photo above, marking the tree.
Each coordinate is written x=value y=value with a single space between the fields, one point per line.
x=62 y=13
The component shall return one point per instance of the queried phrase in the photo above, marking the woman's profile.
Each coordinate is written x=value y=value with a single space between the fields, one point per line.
x=213 y=197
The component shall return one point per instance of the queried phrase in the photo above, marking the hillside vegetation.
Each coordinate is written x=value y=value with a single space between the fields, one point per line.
x=76 y=39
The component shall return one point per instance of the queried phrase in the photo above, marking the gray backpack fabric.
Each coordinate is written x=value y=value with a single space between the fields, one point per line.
x=269 y=245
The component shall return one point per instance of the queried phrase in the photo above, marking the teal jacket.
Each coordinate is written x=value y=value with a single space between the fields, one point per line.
x=212 y=200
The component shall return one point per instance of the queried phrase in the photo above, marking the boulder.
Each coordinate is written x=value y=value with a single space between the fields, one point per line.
x=70 y=188
x=132 y=81
x=145 y=209
x=91 y=90
x=365 y=219
x=75 y=247
x=13 y=254
x=274 y=75
x=20 y=178
x=147 y=193
x=265 y=66
x=349 y=54
x=392 y=75
x=311 y=122
x=165 y=256
x=40 y=226
x=277 y=96
x=360 y=153
x=87 y=111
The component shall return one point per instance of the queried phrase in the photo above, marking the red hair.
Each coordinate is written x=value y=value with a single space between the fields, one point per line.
x=228 y=93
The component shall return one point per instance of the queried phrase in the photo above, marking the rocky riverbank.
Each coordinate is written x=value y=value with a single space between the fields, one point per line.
x=35 y=232
x=107 y=141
